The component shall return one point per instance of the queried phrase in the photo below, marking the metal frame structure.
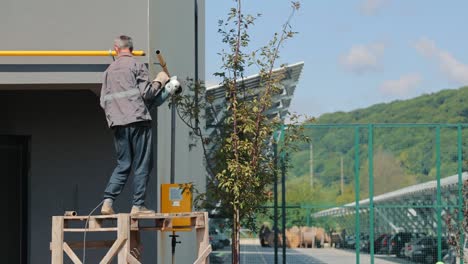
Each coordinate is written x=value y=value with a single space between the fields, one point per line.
x=252 y=87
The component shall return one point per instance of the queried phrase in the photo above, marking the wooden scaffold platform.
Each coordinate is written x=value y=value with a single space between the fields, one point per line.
x=128 y=227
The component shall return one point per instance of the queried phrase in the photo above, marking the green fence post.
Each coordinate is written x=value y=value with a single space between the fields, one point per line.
x=283 y=202
x=357 y=189
x=275 y=203
x=460 y=188
x=371 y=191
x=439 y=197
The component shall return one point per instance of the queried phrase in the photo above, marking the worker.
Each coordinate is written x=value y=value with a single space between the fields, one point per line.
x=127 y=96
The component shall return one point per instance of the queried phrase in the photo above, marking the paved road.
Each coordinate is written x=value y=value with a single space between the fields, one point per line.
x=254 y=254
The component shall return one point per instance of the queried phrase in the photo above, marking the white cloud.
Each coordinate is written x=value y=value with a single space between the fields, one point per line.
x=361 y=59
x=452 y=68
x=370 y=7
x=426 y=47
x=401 y=87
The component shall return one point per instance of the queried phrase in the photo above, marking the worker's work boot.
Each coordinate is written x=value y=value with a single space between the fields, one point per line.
x=107 y=208
x=140 y=210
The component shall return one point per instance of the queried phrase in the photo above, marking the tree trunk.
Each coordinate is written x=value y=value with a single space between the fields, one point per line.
x=236 y=237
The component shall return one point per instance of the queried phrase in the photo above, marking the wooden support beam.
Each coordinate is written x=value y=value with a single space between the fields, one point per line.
x=132 y=260
x=92 y=244
x=71 y=254
x=127 y=247
x=104 y=229
x=203 y=243
x=85 y=217
x=202 y=258
x=95 y=223
x=167 y=216
x=57 y=240
x=200 y=221
x=135 y=245
x=123 y=225
x=118 y=244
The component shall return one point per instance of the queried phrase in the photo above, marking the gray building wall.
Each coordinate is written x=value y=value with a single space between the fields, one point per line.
x=66 y=25
x=50 y=99
x=177 y=18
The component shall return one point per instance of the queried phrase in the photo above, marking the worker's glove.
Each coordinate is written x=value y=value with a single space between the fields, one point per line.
x=173 y=86
x=162 y=78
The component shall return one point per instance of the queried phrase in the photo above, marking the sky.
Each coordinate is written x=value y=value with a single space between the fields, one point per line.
x=357 y=53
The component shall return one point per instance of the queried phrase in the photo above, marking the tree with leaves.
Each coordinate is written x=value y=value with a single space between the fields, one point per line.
x=239 y=155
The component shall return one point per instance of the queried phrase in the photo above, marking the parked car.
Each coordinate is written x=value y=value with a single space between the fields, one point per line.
x=409 y=247
x=425 y=250
x=384 y=244
x=378 y=243
x=350 y=241
x=215 y=240
x=398 y=240
x=451 y=256
x=364 y=242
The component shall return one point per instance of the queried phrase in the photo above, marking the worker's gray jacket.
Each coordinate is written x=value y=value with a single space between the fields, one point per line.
x=126 y=91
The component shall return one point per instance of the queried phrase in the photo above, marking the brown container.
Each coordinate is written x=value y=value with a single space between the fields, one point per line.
x=307 y=237
x=293 y=237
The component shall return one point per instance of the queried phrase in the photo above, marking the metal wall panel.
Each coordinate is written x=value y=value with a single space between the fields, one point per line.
x=85 y=139
x=176 y=19
x=67 y=25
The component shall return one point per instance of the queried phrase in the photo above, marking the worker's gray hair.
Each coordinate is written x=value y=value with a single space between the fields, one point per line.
x=123 y=42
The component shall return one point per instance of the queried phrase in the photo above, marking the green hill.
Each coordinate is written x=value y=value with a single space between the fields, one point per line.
x=402 y=156
x=447 y=106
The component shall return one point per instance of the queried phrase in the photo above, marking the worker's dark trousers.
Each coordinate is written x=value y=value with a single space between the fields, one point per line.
x=133 y=145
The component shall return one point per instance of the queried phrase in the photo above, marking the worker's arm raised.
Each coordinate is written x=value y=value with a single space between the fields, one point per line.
x=149 y=89
x=161 y=78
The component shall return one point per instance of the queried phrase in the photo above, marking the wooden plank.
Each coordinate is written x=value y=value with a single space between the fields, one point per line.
x=71 y=254
x=135 y=245
x=92 y=244
x=203 y=239
x=202 y=258
x=132 y=260
x=123 y=224
x=148 y=228
x=200 y=222
x=85 y=217
x=57 y=240
x=158 y=224
x=167 y=215
x=113 y=250
x=104 y=229
x=167 y=224
x=142 y=216
x=134 y=224
x=95 y=223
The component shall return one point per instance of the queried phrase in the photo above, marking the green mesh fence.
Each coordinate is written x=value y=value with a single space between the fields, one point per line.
x=370 y=193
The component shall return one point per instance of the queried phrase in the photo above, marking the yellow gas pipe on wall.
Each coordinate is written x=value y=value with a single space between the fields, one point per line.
x=78 y=53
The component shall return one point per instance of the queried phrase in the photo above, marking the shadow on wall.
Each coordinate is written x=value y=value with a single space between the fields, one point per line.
x=72 y=156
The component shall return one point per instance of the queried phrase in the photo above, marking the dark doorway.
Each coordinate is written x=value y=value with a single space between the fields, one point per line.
x=14 y=170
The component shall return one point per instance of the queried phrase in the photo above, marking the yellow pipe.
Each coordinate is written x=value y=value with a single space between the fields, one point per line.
x=64 y=53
